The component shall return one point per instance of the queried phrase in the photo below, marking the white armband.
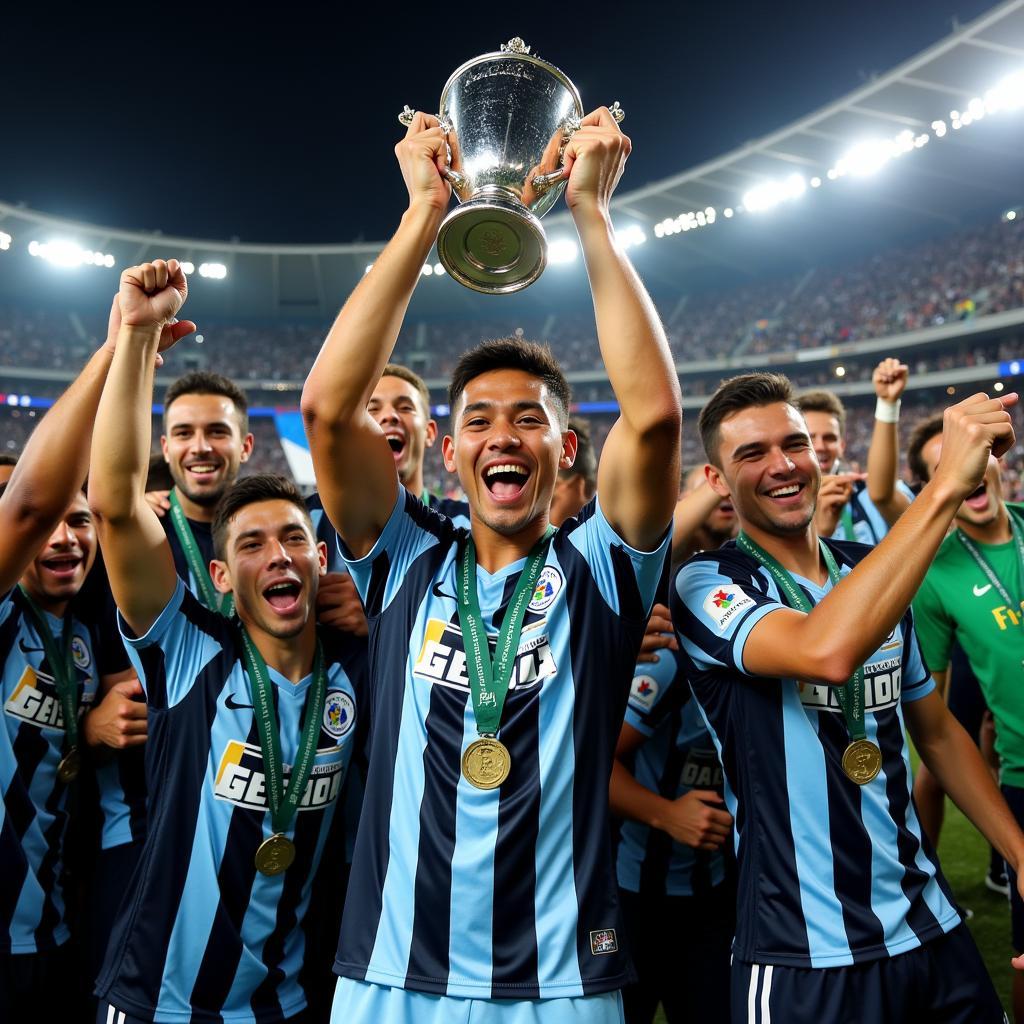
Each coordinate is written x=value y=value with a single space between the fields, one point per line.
x=886 y=411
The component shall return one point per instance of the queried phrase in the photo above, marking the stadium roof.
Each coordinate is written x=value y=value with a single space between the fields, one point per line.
x=885 y=163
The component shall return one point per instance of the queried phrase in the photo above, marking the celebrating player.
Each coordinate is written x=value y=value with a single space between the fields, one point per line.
x=254 y=719
x=803 y=657
x=482 y=869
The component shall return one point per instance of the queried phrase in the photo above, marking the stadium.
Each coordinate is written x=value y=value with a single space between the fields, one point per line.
x=885 y=223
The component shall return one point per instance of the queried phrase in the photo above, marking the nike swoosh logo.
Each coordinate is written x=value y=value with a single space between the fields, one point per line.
x=25 y=649
x=438 y=592
x=230 y=704
x=982 y=591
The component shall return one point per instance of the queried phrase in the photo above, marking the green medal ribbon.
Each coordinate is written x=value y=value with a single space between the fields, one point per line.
x=846 y=518
x=489 y=680
x=426 y=496
x=284 y=802
x=850 y=696
x=208 y=593
x=986 y=567
x=62 y=665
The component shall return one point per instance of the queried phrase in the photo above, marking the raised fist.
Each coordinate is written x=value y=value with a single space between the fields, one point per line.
x=150 y=295
x=594 y=160
x=423 y=156
x=972 y=430
x=890 y=378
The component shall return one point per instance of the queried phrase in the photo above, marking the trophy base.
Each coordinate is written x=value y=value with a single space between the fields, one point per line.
x=492 y=245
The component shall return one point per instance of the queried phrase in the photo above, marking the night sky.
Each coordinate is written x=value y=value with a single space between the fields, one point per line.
x=219 y=126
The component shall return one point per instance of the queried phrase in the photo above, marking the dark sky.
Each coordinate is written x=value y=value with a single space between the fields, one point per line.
x=222 y=122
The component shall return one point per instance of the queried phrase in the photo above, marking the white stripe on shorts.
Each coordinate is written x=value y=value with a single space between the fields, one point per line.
x=751 y=995
x=110 y=1014
x=766 y=991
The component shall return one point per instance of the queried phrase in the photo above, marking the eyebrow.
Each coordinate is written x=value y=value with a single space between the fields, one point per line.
x=519 y=406
x=756 y=446
x=187 y=423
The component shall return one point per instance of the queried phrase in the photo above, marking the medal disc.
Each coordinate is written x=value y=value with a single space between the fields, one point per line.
x=67 y=770
x=275 y=855
x=486 y=763
x=862 y=761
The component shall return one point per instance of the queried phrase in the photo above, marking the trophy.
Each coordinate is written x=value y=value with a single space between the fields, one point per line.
x=507 y=117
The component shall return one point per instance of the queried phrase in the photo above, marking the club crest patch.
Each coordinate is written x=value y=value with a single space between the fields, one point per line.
x=549 y=583
x=603 y=941
x=643 y=693
x=80 y=653
x=339 y=713
x=723 y=604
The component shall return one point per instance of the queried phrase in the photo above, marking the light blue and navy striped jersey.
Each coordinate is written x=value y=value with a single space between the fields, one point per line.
x=34 y=812
x=677 y=756
x=202 y=935
x=830 y=873
x=869 y=525
x=508 y=892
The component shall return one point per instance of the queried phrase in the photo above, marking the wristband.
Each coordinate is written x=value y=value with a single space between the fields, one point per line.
x=886 y=411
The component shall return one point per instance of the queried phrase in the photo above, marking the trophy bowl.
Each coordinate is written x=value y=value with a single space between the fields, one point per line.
x=507 y=116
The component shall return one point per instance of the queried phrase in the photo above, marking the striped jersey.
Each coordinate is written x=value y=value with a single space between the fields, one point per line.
x=34 y=812
x=676 y=757
x=507 y=892
x=869 y=525
x=830 y=873
x=202 y=936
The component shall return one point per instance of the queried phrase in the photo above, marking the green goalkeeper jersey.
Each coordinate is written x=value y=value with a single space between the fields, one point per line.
x=959 y=600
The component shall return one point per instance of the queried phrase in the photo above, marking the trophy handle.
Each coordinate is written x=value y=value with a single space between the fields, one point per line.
x=542 y=182
x=458 y=181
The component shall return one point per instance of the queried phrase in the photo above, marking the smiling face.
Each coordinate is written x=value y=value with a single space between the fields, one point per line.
x=59 y=570
x=397 y=407
x=507 y=448
x=272 y=564
x=204 y=446
x=983 y=506
x=768 y=469
x=826 y=437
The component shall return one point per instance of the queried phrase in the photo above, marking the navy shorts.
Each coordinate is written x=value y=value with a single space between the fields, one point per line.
x=942 y=982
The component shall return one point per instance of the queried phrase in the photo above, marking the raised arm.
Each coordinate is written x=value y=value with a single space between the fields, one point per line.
x=355 y=470
x=135 y=548
x=830 y=642
x=889 y=378
x=638 y=475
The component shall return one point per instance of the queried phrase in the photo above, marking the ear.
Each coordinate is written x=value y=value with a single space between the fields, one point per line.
x=570 y=445
x=321 y=550
x=716 y=481
x=163 y=446
x=221 y=576
x=448 y=452
x=431 y=436
x=247 y=444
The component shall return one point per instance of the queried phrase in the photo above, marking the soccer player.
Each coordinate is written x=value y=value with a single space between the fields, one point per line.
x=49 y=676
x=859 y=506
x=803 y=658
x=974 y=595
x=482 y=883
x=253 y=720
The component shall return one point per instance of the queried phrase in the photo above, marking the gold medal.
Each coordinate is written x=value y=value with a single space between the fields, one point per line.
x=862 y=761
x=67 y=770
x=275 y=855
x=486 y=763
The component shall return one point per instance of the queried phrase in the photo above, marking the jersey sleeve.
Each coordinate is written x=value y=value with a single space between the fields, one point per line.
x=933 y=625
x=178 y=646
x=654 y=693
x=614 y=563
x=325 y=533
x=917 y=680
x=411 y=530
x=714 y=613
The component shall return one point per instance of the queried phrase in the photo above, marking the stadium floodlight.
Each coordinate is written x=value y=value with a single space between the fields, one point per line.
x=815 y=182
x=188 y=266
x=771 y=193
x=867 y=157
x=939 y=127
x=1010 y=215
x=215 y=270
x=840 y=371
x=438 y=269
x=1005 y=95
x=631 y=236
x=5 y=240
x=562 y=250
x=63 y=253
x=998 y=386
x=727 y=212
x=427 y=270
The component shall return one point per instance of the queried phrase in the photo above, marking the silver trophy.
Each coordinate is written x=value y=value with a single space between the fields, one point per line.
x=507 y=116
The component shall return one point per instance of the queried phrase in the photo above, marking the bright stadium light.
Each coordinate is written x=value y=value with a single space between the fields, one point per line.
x=562 y=250
x=1010 y=215
x=215 y=270
x=771 y=193
x=438 y=269
x=631 y=236
x=5 y=240
x=62 y=253
x=939 y=127
x=727 y=212
x=840 y=371
x=1005 y=95
x=427 y=270
x=998 y=386
x=815 y=182
x=865 y=158
x=188 y=266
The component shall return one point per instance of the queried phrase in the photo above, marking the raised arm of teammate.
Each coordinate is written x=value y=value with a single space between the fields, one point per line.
x=135 y=548
x=354 y=466
x=638 y=474
x=889 y=378
x=829 y=643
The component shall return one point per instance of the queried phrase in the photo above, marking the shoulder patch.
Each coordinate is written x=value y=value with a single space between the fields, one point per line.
x=80 y=653
x=339 y=713
x=723 y=604
x=548 y=585
x=643 y=692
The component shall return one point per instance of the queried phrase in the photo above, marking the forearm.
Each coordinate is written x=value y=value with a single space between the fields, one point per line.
x=883 y=471
x=628 y=799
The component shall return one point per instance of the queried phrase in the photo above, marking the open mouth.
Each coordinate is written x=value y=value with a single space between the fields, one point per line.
x=977 y=500
x=785 y=494
x=201 y=470
x=506 y=481
x=63 y=567
x=725 y=507
x=397 y=443
x=283 y=597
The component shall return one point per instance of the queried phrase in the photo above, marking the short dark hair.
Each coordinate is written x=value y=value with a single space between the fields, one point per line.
x=919 y=437
x=823 y=401
x=248 y=491
x=513 y=354
x=410 y=377
x=203 y=382
x=8 y=459
x=734 y=395
x=585 y=464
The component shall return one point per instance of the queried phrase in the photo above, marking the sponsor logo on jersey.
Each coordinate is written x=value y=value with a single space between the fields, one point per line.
x=643 y=692
x=80 y=653
x=442 y=657
x=1006 y=616
x=35 y=700
x=549 y=583
x=339 y=713
x=702 y=770
x=723 y=604
x=883 y=683
x=240 y=779
x=981 y=591
x=603 y=941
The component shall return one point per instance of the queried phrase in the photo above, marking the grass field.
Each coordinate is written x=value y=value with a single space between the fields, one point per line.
x=964 y=857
